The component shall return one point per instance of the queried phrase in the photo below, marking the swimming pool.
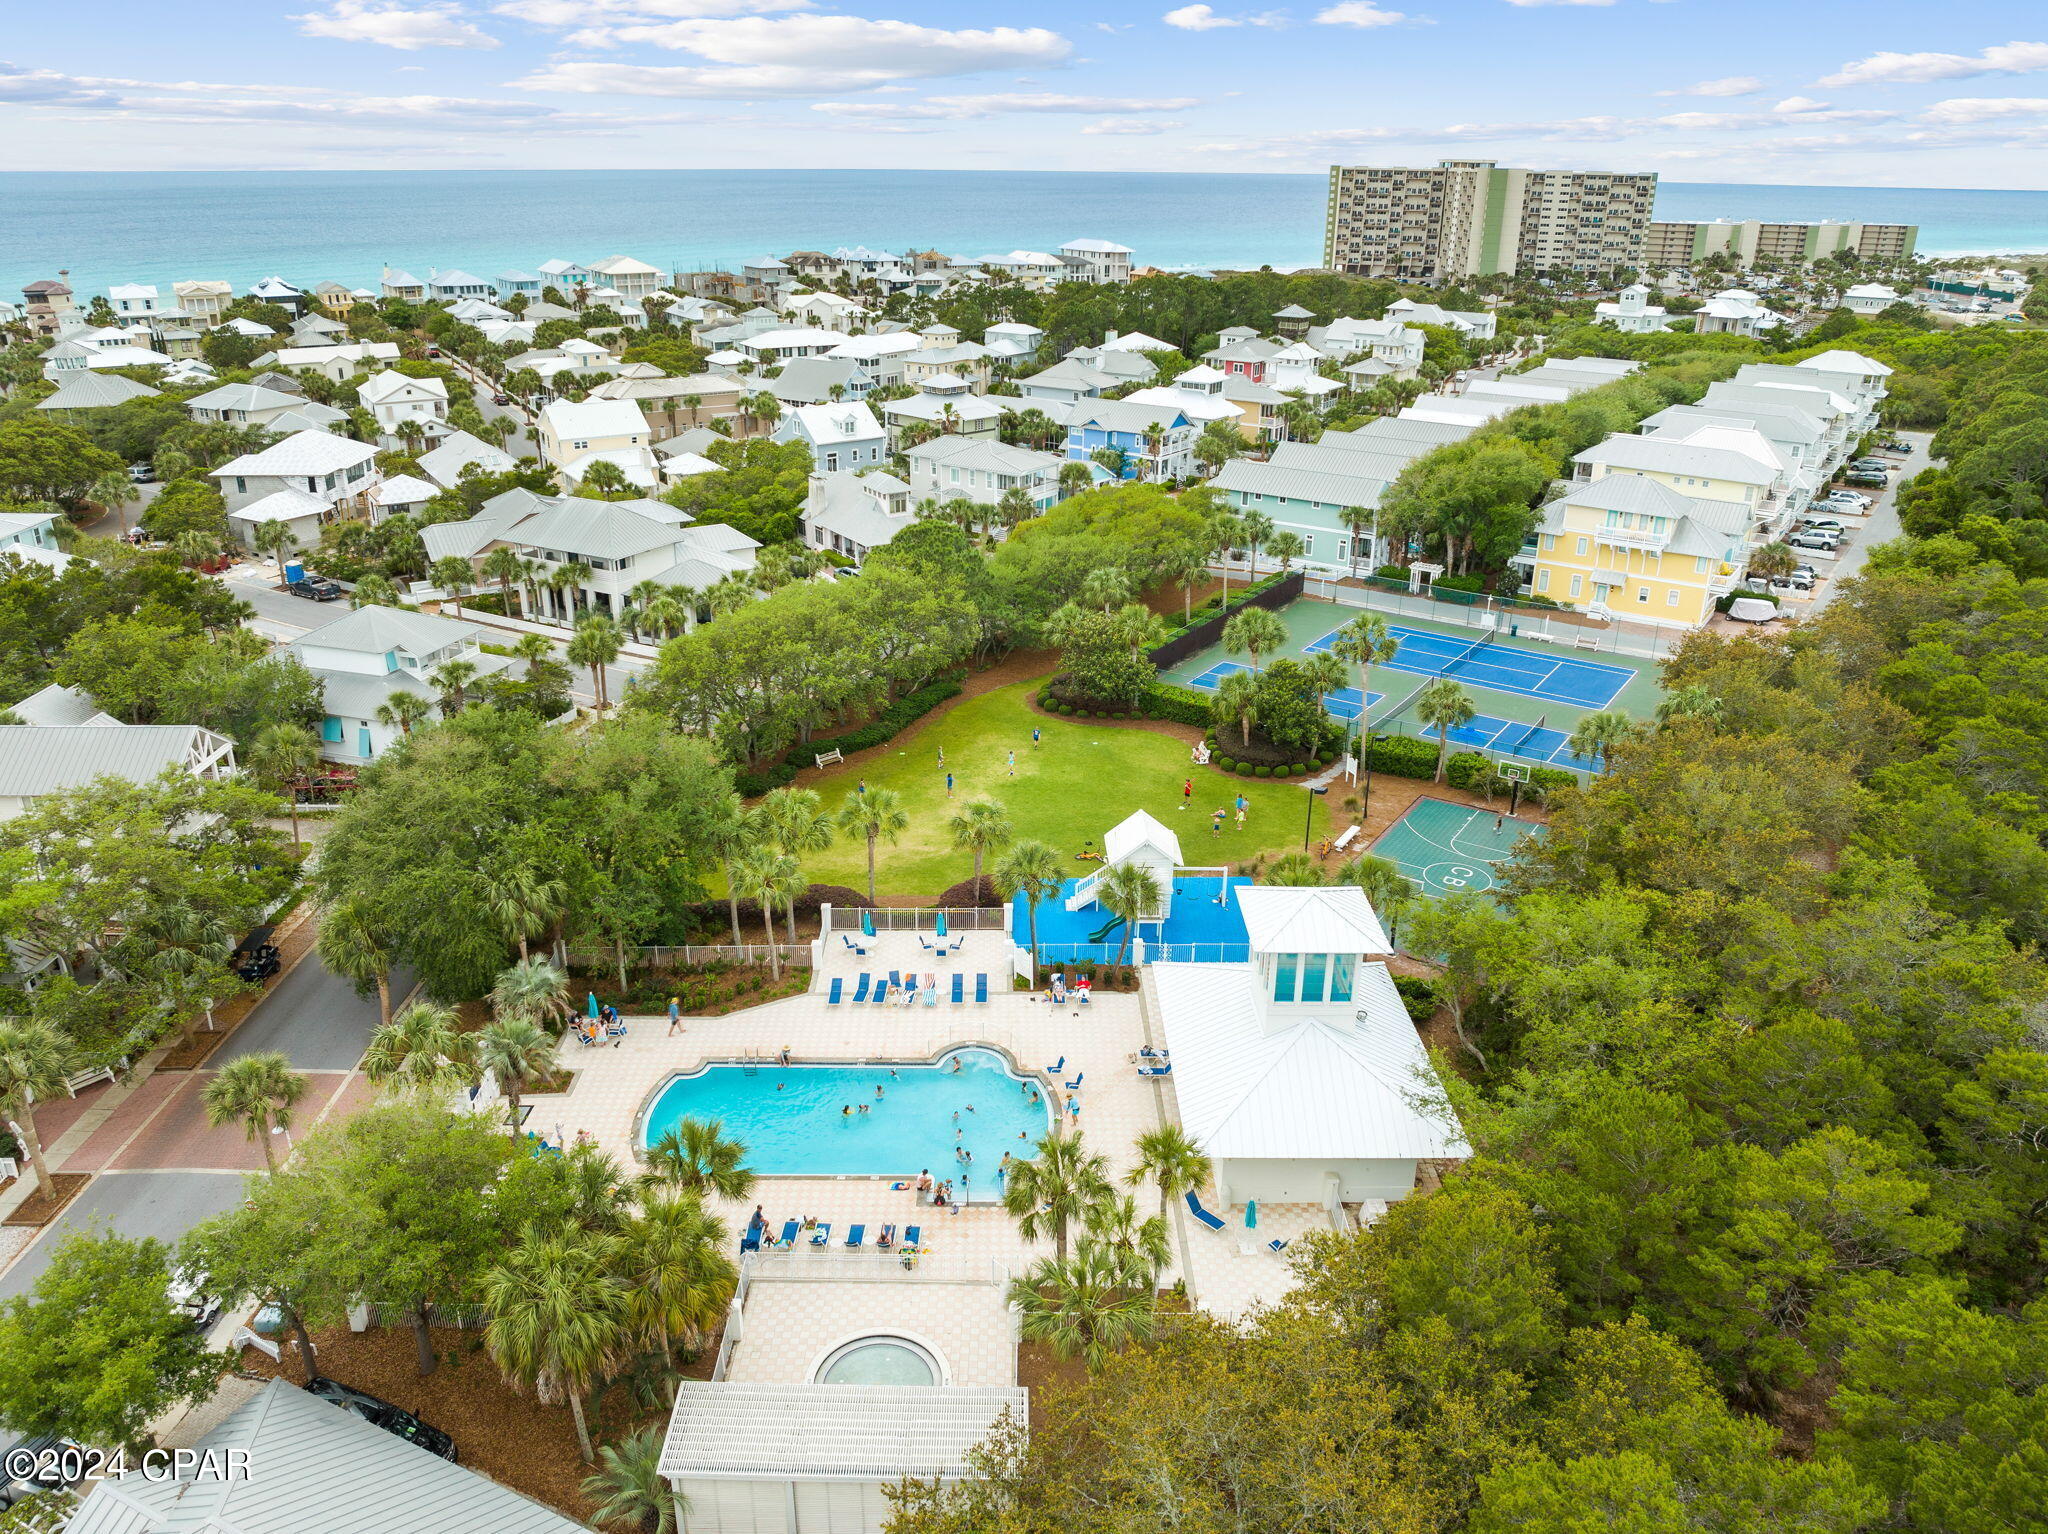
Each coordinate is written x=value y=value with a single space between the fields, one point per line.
x=792 y=1120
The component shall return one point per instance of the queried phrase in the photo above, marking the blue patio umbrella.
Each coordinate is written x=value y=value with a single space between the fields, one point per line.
x=942 y=924
x=1251 y=1214
x=867 y=922
x=593 y=1002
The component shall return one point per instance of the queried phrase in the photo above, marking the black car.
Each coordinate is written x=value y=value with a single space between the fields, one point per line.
x=393 y=1419
x=315 y=588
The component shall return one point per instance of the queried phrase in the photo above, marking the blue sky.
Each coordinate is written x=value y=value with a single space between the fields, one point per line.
x=1875 y=93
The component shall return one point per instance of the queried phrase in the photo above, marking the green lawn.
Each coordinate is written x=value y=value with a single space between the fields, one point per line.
x=1084 y=777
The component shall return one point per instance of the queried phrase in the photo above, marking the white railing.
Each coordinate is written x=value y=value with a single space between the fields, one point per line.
x=689 y=953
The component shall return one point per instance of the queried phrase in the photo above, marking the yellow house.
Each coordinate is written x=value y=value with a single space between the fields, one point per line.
x=1630 y=545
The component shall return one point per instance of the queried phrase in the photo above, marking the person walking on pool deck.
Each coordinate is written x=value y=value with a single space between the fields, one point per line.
x=675 y=1017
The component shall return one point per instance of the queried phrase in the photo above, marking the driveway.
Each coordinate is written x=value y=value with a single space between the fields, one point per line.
x=1884 y=520
x=160 y=1204
x=315 y=1017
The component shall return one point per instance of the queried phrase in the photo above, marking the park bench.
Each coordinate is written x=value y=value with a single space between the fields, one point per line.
x=830 y=758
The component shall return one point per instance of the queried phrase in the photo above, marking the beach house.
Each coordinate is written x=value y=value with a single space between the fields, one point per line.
x=842 y=437
x=362 y=659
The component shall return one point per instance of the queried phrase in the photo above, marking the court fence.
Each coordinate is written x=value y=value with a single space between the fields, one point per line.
x=1193 y=641
x=1511 y=617
x=978 y=918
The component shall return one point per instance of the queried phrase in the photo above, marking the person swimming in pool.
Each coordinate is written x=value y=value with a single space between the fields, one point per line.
x=878 y=1091
x=847 y=1111
x=956 y=1065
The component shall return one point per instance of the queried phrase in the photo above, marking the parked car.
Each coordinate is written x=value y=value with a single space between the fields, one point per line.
x=393 y=1419
x=1821 y=525
x=1826 y=542
x=1846 y=500
x=501 y=399
x=1786 y=585
x=141 y=474
x=1871 y=466
x=315 y=588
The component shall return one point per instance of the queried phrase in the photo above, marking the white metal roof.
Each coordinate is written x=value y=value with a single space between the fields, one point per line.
x=829 y=424
x=391 y=384
x=1354 y=1084
x=1845 y=362
x=287 y=505
x=374 y=629
x=1136 y=832
x=303 y=452
x=45 y=759
x=403 y=490
x=594 y=418
x=91 y=391
x=831 y=1432
x=1332 y=919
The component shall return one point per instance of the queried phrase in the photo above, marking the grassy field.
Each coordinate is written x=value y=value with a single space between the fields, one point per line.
x=1084 y=777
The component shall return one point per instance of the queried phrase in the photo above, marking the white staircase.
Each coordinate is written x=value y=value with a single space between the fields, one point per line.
x=1084 y=891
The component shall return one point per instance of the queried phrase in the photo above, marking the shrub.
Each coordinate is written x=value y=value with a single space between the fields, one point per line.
x=1457 y=583
x=1468 y=770
x=1264 y=771
x=1244 y=769
x=1391 y=573
x=1405 y=756
x=1226 y=764
x=1548 y=778
x=1418 y=996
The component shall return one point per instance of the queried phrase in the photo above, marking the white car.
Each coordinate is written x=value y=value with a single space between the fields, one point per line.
x=1849 y=499
x=1820 y=525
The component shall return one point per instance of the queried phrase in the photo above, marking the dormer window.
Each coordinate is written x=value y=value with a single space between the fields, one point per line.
x=1313 y=977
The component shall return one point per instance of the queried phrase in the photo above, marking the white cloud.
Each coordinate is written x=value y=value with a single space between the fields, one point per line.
x=1977 y=109
x=1129 y=125
x=1528 y=3
x=961 y=108
x=1919 y=68
x=1358 y=13
x=1730 y=85
x=1198 y=18
x=568 y=13
x=46 y=87
x=394 y=26
x=847 y=47
x=1800 y=104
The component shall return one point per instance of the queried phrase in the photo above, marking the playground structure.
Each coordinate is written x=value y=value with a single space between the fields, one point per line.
x=1195 y=916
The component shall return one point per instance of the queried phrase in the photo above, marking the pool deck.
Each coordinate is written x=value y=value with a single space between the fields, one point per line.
x=803 y=1301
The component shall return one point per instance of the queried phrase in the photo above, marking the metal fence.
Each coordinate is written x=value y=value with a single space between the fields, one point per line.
x=689 y=953
x=1196 y=953
x=973 y=918
x=1508 y=616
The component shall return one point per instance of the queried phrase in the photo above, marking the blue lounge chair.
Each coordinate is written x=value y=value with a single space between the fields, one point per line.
x=911 y=1233
x=1276 y=1247
x=981 y=990
x=1156 y=1070
x=886 y=1239
x=924 y=943
x=860 y=992
x=895 y=984
x=1057 y=1066
x=1195 y=1208
x=959 y=989
x=751 y=1241
x=1075 y=1084
x=822 y=1236
x=855 y=1236
x=789 y=1229
x=850 y=943
x=832 y=996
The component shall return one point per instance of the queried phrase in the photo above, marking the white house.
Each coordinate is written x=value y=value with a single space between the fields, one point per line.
x=1012 y=341
x=362 y=659
x=1632 y=313
x=771 y=348
x=1298 y=1071
x=1869 y=298
x=1735 y=312
x=982 y=471
x=820 y=381
x=825 y=311
x=1096 y=261
x=879 y=356
x=631 y=279
x=851 y=514
x=339 y=363
x=1476 y=325
x=949 y=403
x=31 y=536
x=136 y=303
x=202 y=300
x=402 y=285
x=620 y=544
x=242 y=404
x=37 y=760
x=445 y=462
x=394 y=398
x=93 y=391
x=309 y=479
x=941 y=352
x=842 y=437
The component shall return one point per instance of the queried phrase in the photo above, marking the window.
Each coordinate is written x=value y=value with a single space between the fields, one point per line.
x=1283 y=977
x=1671 y=597
x=1642 y=593
x=241 y=485
x=1313 y=968
x=1576 y=579
x=1549 y=542
x=1699 y=564
x=831 y=462
x=1582 y=545
x=1542 y=580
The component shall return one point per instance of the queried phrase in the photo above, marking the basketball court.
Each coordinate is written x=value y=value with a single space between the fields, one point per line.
x=1448 y=849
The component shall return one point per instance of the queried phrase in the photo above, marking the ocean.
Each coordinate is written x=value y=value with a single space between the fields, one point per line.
x=345 y=226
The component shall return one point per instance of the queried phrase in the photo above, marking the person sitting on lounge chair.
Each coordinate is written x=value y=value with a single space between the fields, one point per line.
x=1059 y=989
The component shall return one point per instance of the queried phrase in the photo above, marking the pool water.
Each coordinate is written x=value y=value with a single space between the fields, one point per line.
x=879 y=1361
x=792 y=1122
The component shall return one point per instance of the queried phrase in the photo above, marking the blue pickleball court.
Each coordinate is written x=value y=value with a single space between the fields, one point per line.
x=1501 y=666
x=1344 y=703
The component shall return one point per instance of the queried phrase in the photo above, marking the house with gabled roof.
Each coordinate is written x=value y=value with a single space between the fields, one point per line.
x=842 y=437
x=306 y=481
x=242 y=404
x=854 y=514
x=361 y=659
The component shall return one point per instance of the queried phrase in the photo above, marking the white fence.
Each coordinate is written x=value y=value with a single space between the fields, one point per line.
x=973 y=918
x=689 y=953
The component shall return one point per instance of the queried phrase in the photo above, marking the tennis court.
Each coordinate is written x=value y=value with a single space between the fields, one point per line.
x=1342 y=704
x=1517 y=738
x=1448 y=848
x=1502 y=667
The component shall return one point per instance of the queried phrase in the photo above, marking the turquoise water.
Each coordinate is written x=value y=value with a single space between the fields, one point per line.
x=312 y=226
x=792 y=1120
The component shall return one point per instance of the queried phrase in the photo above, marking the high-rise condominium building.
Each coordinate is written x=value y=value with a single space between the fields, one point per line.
x=1748 y=241
x=1466 y=218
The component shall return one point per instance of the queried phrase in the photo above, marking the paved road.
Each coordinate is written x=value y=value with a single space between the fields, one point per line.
x=315 y=1017
x=1884 y=520
x=160 y=1204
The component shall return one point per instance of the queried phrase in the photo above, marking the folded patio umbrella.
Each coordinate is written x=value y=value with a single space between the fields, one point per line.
x=1251 y=1214
x=942 y=924
x=867 y=922
x=593 y=1002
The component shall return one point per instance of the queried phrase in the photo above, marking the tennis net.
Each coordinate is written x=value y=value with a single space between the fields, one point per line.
x=1527 y=735
x=1468 y=652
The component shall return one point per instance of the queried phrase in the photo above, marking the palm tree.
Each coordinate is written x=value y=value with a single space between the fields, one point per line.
x=1358 y=522
x=534 y=991
x=1224 y=530
x=797 y=823
x=1295 y=869
x=277 y=540
x=1075 y=478
x=1113 y=460
x=1237 y=702
x=558 y=1317
x=513 y=1051
x=454 y=575
x=114 y=490
x=353 y=949
x=34 y=1060
x=728 y=594
x=731 y=834
x=1386 y=888
x=876 y=815
x=256 y=1091
x=420 y=1052
x=1144 y=1243
x=1033 y=870
x=1256 y=528
x=676 y=1271
x=281 y=757
x=1095 y=1305
x=770 y=877
x=1286 y=547
x=1364 y=642
x=451 y=680
x=642 y=593
x=596 y=644
x=402 y=710
x=695 y=1157
x=981 y=826
x=1600 y=732
x=504 y=566
x=1442 y=706
x=1056 y=1188
x=1187 y=568
x=1169 y=1158
x=373 y=590
x=667 y=612
x=1128 y=891
x=524 y=901
x=628 y=1488
x=1255 y=630
x=1104 y=587
x=1695 y=701
x=194 y=548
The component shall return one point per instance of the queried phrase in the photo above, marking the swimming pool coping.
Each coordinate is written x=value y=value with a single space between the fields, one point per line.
x=1048 y=1098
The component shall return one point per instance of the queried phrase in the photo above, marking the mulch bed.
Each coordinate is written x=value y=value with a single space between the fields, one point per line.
x=294 y=939
x=48 y=1201
x=1038 y=1371
x=511 y=1438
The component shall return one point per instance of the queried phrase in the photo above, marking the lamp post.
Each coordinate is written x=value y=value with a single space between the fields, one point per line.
x=1308 y=820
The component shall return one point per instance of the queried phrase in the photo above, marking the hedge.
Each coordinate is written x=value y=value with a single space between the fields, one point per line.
x=1177 y=705
x=885 y=726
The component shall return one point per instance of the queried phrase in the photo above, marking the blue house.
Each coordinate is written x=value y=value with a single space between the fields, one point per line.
x=1157 y=441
